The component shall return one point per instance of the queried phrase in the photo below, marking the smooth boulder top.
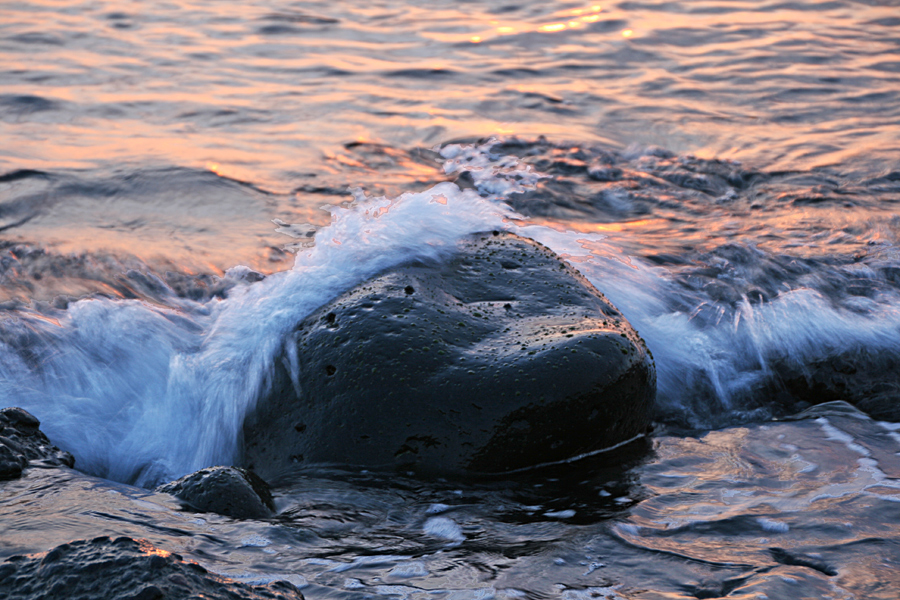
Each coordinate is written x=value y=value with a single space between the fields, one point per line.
x=23 y=444
x=122 y=569
x=502 y=357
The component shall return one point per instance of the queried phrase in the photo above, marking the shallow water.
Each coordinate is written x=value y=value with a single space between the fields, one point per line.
x=725 y=172
x=806 y=507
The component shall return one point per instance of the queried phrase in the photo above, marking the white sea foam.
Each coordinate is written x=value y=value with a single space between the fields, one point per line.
x=143 y=393
x=560 y=514
x=444 y=528
x=833 y=433
x=772 y=525
x=410 y=569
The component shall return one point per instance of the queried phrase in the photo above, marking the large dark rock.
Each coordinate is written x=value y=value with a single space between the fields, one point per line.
x=228 y=491
x=122 y=569
x=22 y=444
x=501 y=358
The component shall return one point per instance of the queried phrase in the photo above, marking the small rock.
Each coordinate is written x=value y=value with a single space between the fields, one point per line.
x=229 y=491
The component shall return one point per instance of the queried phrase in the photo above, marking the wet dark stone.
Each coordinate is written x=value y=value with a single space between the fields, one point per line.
x=229 y=491
x=22 y=444
x=868 y=380
x=786 y=557
x=605 y=173
x=122 y=569
x=502 y=358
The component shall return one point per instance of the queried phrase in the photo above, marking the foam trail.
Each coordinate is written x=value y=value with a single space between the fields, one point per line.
x=142 y=393
x=711 y=373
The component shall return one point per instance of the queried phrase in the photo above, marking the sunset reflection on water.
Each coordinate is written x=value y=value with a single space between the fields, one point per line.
x=271 y=97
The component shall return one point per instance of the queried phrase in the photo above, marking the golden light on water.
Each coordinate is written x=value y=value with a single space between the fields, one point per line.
x=565 y=23
x=588 y=227
x=264 y=108
x=553 y=27
x=150 y=550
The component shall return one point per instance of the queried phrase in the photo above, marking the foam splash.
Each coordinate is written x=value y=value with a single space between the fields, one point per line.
x=142 y=393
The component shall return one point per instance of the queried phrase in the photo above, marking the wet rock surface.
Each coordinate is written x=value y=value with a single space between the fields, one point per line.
x=229 y=491
x=501 y=358
x=869 y=381
x=122 y=569
x=23 y=444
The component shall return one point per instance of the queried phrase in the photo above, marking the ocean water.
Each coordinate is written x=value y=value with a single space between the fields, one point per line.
x=182 y=182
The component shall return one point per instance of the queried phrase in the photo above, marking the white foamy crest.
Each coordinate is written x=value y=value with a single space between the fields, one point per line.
x=707 y=371
x=495 y=175
x=142 y=394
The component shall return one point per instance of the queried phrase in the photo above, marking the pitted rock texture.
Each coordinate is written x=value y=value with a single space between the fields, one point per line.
x=229 y=491
x=501 y=358
x=122 y=569
x=23 y=444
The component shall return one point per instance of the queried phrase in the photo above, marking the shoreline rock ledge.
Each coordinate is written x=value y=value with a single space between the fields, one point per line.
x=24 y=445
x=501 y=358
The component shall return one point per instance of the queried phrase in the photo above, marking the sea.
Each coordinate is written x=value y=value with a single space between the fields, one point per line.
x=183 y=181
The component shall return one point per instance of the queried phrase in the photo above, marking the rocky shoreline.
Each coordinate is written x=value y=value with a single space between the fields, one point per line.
x=501 y=359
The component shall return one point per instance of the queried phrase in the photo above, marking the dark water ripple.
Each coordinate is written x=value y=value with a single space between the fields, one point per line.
x=740 y=512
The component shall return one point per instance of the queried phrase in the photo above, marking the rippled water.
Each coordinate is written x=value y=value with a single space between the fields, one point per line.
x=726 y=172
x=121 y=103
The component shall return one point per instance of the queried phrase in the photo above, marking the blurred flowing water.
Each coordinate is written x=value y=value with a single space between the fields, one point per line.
x=726 y=172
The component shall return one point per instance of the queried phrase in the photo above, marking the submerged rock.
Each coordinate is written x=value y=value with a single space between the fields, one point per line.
x=228 y=491
x=501 y=358
x=22 y=444
x=122 y=569
x=868 y=380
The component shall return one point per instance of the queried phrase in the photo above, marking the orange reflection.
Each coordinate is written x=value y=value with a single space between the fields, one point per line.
x=553 y=27
x=565 y=22
x=150 y=550
x=37 y=315
x=588 y=227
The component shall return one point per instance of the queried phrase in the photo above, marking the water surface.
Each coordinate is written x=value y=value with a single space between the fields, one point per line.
x=726 y=172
